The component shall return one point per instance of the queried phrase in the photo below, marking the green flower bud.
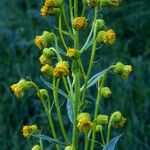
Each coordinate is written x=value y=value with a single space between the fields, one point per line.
x=83 y=115
x=107 y=37
x=110 y=3
x=101 y=25
x=99 y=128
x=36 y=147
x=53 y=3
x=69 y=148
x=20 y=88
x=117 y=119
x=45 y=60
x=73 y=53
x=47 y=70
x=50 y=11
x=49 y=53
x=102 y=119
x=106 y=92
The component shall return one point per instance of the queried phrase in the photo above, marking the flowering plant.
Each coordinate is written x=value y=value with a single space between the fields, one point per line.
x=70 y=70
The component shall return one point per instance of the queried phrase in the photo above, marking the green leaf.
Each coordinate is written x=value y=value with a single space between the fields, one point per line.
x=51 y=87
x=49 y=139
x=95 y=78
x=112 y=144
x=70 y=111
x=84 y=105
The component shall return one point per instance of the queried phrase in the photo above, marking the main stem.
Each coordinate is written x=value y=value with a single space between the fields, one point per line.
x=55 y=93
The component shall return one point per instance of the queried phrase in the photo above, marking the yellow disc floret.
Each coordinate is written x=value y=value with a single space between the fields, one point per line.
x=84 y=122
x=61 y=69
x=79 y=23
x=72 y=53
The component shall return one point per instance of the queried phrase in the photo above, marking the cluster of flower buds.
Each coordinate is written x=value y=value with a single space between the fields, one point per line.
x=51 y=7
x=20 y=88
x=122 y=70
x=79 y=23
x=73 y=53
x=47 y=56
x=42 y=41
x=84 y=122
x=107 y=37
x=117 y=119
x=36 y=147
x=110 y=3
x=30 y=130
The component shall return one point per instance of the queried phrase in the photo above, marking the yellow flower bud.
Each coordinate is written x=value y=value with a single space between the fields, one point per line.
x=122 y=70
x=92 y=3
x=107 y=37
x=117 y=119
x=61 y=69
x=99 y=128
x=110 y=3
x=20 y=88
x=45 y=60
x=53 y=3
x=84 y=122
x=73 y=53
x=47 y=70
x=48 y=11
x=102 y=119
x=106 y=92
x=36 y=147
x=42 y=41
x=79 y=23
x=30 y=130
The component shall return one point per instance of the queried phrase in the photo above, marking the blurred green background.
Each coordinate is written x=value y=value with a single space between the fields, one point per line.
x=20 y=21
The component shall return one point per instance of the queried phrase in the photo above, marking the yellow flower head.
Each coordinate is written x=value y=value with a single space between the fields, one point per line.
x=44 y=11
x=20 y=87
x=39 y=43
x=61 y=69
x=53 y=3
x=47 y=11
x=92 y=3
x=84 y=122
x=110 y=3
x=72 y=53
x=47 y=70
x=79 y=23
x=30 y=130
x=42 y=41
x=117 y=119
x=36 y=147
x=122 y=70
x=107 y=37
x=127 y=70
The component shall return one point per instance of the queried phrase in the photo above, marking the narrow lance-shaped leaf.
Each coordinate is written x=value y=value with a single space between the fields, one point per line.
x=49 y=139
x=112 y=144
x=95 y=78
x=70 y=111
x=51 y=87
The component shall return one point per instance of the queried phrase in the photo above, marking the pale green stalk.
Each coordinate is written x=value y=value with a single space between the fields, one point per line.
x=91 y=59
x=55 y=94
x=108 y=130
x=102 y=137
x=84 y=6
x=86 y=141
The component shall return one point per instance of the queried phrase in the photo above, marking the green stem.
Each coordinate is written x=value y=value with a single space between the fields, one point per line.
x=108 y=131
x=102 y=136
x=86 y=141
x=55 y=93
x=83 y=10
x=96 y=108
x=41 y=144
x=75 y=109
x=65 y=19
x=91 y=59
x=60 y=32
